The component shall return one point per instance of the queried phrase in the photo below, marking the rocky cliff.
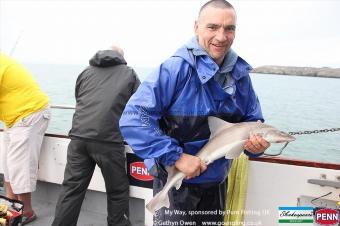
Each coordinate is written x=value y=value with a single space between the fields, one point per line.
x=299 y=71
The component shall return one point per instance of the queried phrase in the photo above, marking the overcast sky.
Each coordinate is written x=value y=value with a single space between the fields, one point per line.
x=287 y=32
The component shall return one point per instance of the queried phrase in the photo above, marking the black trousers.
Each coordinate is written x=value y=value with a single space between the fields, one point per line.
x=192 y=203
x=82 y=157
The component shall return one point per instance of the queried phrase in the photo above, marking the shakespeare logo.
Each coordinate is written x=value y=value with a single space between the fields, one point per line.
x=295 y=215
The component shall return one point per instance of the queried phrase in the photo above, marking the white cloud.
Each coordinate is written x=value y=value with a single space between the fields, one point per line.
x=301 y=33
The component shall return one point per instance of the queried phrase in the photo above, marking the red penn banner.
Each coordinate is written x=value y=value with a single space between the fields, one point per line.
x=140 y=172
x=327 y=217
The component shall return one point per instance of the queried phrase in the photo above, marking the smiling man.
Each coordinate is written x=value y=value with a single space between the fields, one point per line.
x=215 y=29
x=165 y=121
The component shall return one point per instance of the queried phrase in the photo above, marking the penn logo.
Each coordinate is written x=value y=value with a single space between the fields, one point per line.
x=140 y=172
x=327 y=217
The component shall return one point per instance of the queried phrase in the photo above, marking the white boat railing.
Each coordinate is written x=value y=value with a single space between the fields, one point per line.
x=62 y=106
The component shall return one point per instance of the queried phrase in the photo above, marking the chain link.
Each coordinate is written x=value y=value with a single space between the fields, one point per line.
x=314 y=131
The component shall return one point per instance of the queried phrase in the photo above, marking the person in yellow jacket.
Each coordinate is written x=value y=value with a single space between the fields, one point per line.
x=25 y=112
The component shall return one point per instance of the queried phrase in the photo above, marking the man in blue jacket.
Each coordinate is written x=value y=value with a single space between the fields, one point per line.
x=165 y=121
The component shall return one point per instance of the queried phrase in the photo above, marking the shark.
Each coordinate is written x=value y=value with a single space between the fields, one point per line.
x=226 y=140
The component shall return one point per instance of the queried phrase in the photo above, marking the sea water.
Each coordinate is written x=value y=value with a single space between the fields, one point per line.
x=291 y=103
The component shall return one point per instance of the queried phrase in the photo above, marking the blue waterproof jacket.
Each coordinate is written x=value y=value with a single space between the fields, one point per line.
x=168 y=113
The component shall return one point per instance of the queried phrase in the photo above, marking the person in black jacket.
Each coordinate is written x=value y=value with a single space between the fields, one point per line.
x=102 y=91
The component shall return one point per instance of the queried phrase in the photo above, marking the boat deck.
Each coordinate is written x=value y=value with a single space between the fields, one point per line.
x=45 y=213
x=93 y=212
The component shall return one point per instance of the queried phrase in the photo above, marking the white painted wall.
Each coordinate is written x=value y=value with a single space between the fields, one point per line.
x=272 y=185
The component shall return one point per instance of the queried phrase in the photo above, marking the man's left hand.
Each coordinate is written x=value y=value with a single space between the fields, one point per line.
x=256 y=144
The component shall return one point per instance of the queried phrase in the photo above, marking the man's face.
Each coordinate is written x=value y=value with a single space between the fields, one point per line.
x=215 y=29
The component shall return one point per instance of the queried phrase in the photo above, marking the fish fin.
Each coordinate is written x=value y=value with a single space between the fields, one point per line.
x=217 y=124
x=160 y=200
x=235 y=149
x=178 y=184
x=172 y=170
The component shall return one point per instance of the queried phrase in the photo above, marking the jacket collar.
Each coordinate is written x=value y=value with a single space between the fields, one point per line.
x=206 y=67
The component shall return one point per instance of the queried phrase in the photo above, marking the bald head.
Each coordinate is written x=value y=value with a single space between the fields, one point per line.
x=221 y=4
x=117 y=49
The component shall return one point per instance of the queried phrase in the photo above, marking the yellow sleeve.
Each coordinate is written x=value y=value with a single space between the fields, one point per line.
x=20 y=95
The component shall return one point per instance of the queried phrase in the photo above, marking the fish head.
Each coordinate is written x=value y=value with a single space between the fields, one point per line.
x=273 y=135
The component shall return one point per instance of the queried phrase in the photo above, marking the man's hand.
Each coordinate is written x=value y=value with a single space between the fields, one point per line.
x=256 y=144
x=190 y=165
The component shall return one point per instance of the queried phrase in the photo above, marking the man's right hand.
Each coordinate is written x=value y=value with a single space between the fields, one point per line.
x=190 y=165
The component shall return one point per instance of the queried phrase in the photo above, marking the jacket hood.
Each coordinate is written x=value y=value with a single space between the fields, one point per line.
x=184 y=54
x=107 y=58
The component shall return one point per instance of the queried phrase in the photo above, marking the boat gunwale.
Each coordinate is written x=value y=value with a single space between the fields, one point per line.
x=297 y=162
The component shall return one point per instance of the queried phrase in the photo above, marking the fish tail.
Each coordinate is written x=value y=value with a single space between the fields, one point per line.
x=160 y=200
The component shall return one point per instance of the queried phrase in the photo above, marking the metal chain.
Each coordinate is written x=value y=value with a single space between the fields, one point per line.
x=303 y=133
x=314 y=131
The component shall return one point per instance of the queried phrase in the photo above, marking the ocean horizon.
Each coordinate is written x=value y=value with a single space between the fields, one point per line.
x=290 y=103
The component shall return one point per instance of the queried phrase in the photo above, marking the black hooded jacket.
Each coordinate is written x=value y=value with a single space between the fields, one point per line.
x=102 y=91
